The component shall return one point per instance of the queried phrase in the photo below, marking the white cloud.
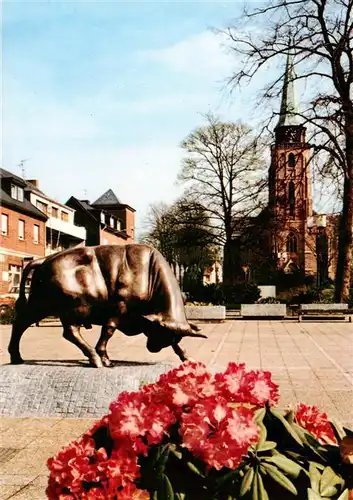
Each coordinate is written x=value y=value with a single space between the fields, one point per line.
x=203 y=52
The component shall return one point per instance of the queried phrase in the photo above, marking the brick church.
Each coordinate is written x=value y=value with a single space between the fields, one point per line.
x=302 y=239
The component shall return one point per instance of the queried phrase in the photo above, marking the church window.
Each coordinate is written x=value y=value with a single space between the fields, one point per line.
x=291 y=160
x=292 y=243
x=291 y=198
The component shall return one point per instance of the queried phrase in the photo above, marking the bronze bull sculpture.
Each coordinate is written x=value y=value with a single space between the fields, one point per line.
x=130 y=288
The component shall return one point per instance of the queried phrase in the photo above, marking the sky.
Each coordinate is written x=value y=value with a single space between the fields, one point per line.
x=99 y=94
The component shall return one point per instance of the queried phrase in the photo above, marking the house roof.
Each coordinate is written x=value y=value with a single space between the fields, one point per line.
x=107 y=198
x=5 y=174
x=81 y=205
x=24 y=206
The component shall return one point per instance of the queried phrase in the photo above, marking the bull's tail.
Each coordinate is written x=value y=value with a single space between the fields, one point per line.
x=22 y=300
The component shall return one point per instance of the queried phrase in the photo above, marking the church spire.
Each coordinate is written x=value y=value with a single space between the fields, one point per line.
x=287 y=116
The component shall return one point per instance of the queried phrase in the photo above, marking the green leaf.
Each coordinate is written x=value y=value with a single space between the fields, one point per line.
x=280 y=478
x=286 y=425
x=246 y=482
x=290 y=417
x=268 y=445
x=315 y=477
x=162 y=457
x=259 y=415
x=178 y=454
x=317 y=465
x=263 y=436
x=337 y=429
x=165 y=488
x=348 y=432
x=193 y=468
x=344 y=495
x=286 y=465
x=312 y=495
x=255 y=495
x=330 y=482
x=263 y=495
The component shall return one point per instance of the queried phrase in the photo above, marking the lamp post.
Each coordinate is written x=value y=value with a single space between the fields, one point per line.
x=317 y=226
x=245 y=268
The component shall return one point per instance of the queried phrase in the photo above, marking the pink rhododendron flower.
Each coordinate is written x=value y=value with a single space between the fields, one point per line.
x=130 y=492
x=261 y=388
x=315 y=422
x=80 y=463
x=135 y=415
x=187 y=384
x=217 y=434
x=254 y=387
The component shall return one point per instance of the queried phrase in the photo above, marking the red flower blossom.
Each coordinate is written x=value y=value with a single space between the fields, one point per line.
x=254 y=387
x=261 y=388
x=130 y=492
x=185 y=385
x=316 y=423
x=79 y=464
x=218 y=434
x=135 y=415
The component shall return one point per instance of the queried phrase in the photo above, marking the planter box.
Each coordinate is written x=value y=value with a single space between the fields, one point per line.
x=266 y=310
x=324 y=307
x=205 y=312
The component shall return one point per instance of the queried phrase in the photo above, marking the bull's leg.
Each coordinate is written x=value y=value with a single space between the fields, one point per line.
x=73 y=335
x=180 y=352
x=18 y=328
x=101 y=347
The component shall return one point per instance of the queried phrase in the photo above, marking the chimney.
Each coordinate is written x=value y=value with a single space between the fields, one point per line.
x=35 y=182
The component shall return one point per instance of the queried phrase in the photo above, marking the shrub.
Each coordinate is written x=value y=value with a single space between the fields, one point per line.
x=7 y=314
x=220 y=294
x=242 y=293
x=269 y=300
x=196 y=435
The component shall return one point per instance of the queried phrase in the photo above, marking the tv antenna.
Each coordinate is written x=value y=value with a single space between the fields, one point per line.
x=22 y=166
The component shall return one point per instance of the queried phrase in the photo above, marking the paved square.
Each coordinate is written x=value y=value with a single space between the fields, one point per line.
x=312 y=362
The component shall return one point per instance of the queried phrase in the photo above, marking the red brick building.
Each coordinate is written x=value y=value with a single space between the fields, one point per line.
x=288 y=234
x=22 y=231
x=305 y=240
x=107 y=220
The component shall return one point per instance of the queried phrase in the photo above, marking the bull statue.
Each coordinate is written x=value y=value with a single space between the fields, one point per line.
x=130 y=288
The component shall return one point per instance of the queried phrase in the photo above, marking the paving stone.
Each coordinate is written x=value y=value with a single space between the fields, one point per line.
x=34 y=390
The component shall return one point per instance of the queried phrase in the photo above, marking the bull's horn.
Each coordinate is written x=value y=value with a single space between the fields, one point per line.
x=194 y=328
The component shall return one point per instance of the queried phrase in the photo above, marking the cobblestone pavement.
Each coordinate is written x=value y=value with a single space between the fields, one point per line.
x=312 y=362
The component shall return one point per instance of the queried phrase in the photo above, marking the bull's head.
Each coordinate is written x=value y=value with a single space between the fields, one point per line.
x=160 y=335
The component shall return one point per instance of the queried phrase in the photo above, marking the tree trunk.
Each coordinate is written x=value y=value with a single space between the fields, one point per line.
x=345 y=237
x=231 y=262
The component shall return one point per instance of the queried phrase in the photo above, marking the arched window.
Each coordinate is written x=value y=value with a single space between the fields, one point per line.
x=291 y=199
x=292 y=243
x=291 y=160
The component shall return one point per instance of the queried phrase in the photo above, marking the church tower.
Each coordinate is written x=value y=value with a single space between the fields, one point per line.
x=290 y=197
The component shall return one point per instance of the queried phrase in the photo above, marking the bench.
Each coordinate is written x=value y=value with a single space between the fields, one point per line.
x=263 y=310
x=325 y=310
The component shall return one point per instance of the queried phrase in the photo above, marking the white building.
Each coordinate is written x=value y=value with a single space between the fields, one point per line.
x=61 y=232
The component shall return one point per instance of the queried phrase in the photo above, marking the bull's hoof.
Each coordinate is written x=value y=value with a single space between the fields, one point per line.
x=16 y=361
x=96 y=362
x=106 y=362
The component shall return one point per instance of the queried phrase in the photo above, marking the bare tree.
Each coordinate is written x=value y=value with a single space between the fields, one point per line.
x=319 y=33
x=182 y=233
x=224 y=172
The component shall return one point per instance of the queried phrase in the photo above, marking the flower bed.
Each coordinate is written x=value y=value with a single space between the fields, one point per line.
x=193 y=435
